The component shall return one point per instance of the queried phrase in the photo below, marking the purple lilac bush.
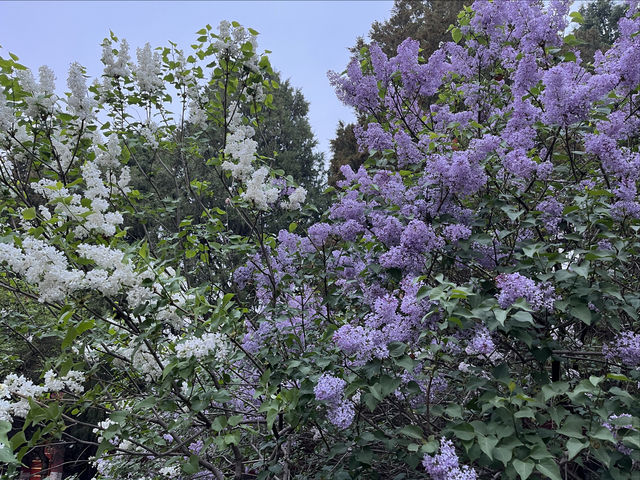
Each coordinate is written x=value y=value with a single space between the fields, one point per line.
x=463 y=267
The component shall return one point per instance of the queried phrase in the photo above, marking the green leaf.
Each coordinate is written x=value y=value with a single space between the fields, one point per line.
x=487 y=445
x=602 y=433
x=576 y=17
x=632 y=440
x=389 y=384
x=574 y=447
x=582 y=270
x=454 y=410
x=71 y=335
x=29 y=213
x=192 y=466
x=376 y=391
x=456 y=34
x=618 y=376
x=412 y=431
x=7 y=456
x=571 y=40
x=370 y=401
x=5 y=427
x=523 y=317
x=501 y=315
x=85 y=325
x=423 y=292
x=523 y=469
x=503 y=454
x=582 y=313
x=572 y=427
x=549 y=468
x=530 y=250
x=144 y=250
x=464 y=431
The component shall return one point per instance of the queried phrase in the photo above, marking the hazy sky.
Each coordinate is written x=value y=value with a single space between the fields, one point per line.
x=307 y=38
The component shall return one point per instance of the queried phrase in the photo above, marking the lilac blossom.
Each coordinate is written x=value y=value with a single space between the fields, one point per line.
x=329 y=388
x=625 y=347
x=341 y=414
x=407 y=150
x=481 y=343
x=381 y=67
x=318 y=233
x=365 y=343
x=357 y=90
x=349 y=208
x=387 y=229
x=551 y=213
x=570 y=92
x=420 y=238
x=514 y=286
x=456 y=232
x=446 y=465
x=242 y=276
x=349 y=230
x=605 y=245
x=376 y=138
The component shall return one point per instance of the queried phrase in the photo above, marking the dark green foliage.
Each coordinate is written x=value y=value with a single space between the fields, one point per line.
x=286 y=136
x=600 y=26
x=426 y=21
x=344 y=151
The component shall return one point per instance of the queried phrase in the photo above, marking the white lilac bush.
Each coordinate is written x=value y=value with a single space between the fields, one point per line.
x=466 y=309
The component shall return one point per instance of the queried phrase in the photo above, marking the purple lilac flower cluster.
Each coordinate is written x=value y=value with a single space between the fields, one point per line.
x=481 y=343
x=446 y=465
x=551 y=213
x=514 y=286
x=625 y=347
x=330 y=390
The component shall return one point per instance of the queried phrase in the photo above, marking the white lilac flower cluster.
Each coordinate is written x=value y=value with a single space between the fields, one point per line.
x=63 y=153
x=79 y=102
x=47 y=268
x=116 y=66
x=141 y=360
x=148 y=132
x=149 y=69
x=42 y=265
x=68 y=206
x=209 y=344
x=259 y=192
x=16 y=390
x=230 y=41
x=170 y=472
x=242 y=148
x=42 y=97
x=295 y=200
x=6 y=114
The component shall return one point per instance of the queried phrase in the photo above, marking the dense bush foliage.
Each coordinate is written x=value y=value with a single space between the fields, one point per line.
x=467 y=308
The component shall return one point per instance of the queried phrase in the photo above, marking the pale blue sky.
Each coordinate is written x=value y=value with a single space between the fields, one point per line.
x=307 y=38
